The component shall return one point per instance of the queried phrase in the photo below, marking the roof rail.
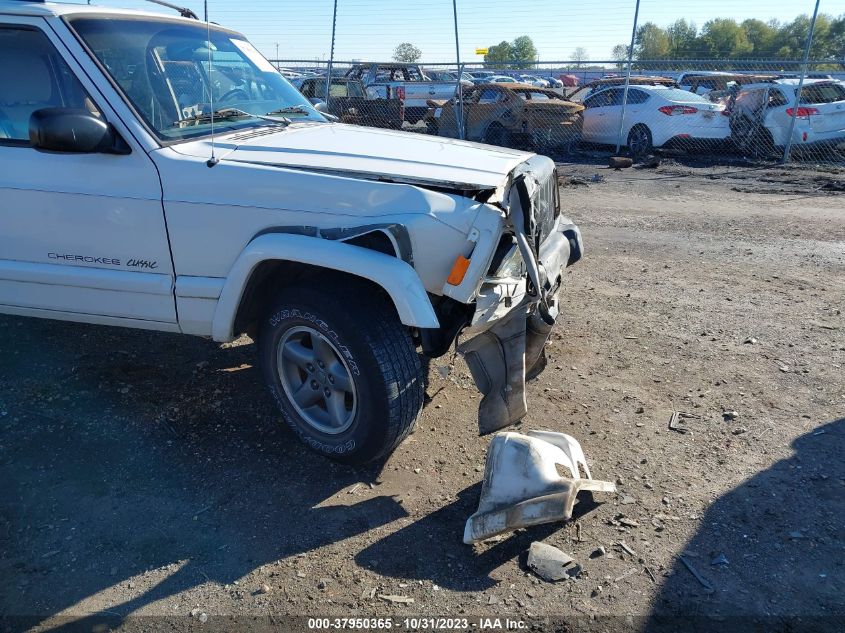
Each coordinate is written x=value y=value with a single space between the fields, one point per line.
x=185 y=13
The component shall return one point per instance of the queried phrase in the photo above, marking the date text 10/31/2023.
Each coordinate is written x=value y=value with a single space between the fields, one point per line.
x=417 y=624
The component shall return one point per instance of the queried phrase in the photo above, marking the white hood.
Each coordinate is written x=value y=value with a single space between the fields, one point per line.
x=367 y=153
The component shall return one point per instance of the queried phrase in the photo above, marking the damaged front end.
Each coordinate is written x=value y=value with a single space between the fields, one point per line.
x=516 y=303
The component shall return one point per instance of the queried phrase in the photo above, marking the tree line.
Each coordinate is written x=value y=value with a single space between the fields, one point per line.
x=725 y=38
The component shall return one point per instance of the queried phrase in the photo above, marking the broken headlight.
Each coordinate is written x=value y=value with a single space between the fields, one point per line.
x=511 y=267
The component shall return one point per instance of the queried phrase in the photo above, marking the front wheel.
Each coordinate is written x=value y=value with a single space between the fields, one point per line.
x=342 y=369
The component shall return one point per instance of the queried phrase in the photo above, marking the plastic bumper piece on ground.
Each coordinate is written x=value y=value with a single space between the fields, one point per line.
x=522 y=486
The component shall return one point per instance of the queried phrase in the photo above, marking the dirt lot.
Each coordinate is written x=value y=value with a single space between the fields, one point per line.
x=149 y=474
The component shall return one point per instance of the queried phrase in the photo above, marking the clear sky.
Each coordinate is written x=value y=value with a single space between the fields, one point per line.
x=370 y=29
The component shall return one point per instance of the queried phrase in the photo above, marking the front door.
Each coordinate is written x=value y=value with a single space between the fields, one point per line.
x=82 y=236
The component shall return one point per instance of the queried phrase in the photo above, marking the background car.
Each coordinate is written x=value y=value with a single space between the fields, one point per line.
x=654 y=117
x=501 y=79
x=761 y=116
x=442 y=75
x=348 y=101
x=533 y=81
x=582 y=92
x=716 y=87
x=510 y=115
x=480 y=76
x=684 y=79
x=569 y=81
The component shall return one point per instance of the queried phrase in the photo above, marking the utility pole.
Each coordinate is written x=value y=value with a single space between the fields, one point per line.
x=628 y=77
x=800 y=85
x=204 y=9
x=331 y=53
x=459 y=87
x=277 y=56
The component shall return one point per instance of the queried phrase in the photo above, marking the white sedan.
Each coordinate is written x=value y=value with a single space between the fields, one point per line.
x=534 y=81
x=500 y=79
x=654 y=117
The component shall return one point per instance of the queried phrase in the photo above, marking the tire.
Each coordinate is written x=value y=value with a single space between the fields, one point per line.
x=369 y=366
x=639 y=141
x=496 y=135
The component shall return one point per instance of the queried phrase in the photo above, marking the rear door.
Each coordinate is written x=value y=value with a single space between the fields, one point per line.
x=82 y=236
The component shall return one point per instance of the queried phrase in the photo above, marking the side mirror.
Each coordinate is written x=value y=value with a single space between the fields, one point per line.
x=73 y=130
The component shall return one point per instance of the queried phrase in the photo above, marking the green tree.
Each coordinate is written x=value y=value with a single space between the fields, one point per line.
x=723 y=38
x=683 y=39
x=763 y=37
x=652 y=42
x=407 y=53
x=520 y=53
x=524 y=52
x=499 y=54
x=837 y=40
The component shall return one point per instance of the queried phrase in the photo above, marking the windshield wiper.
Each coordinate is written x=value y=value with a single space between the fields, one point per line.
x=228 y=114
x=290 y=110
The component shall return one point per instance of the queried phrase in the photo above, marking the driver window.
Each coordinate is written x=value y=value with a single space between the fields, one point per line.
x=33 y=76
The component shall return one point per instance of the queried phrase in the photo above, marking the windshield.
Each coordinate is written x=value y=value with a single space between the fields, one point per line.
x=162 y=67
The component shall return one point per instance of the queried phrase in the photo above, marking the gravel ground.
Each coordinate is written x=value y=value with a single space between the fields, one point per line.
x=149 y=474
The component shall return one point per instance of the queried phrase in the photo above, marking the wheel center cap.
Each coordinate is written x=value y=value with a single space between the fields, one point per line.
x=321 y=376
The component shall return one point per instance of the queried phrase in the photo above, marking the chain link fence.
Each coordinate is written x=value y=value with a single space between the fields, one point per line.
x=719 y=110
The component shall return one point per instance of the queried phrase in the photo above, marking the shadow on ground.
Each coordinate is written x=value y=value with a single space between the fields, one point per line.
x=779 y=534
x=167 y=453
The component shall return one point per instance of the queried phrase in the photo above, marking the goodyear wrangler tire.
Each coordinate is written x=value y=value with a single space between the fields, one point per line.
x=342 y=370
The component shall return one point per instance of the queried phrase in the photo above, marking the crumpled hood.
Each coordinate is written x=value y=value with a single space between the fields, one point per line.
x=367 y=153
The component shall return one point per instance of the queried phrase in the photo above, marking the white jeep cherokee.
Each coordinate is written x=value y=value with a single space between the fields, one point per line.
x=157 y=172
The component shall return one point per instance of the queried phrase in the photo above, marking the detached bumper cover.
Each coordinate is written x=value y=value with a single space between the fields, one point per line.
x=522 y=487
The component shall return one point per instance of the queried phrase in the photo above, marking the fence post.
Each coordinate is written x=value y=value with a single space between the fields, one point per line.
x=331 y=55
x=788 y=146
x=459 y=90
x=628 y=77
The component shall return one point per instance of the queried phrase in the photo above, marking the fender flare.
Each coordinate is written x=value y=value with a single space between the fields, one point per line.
x=395 y=276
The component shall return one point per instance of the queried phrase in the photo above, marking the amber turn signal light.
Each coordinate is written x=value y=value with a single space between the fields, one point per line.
x=459 y=270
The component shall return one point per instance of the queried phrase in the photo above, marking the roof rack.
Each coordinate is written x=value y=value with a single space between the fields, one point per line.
x=185 y=13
